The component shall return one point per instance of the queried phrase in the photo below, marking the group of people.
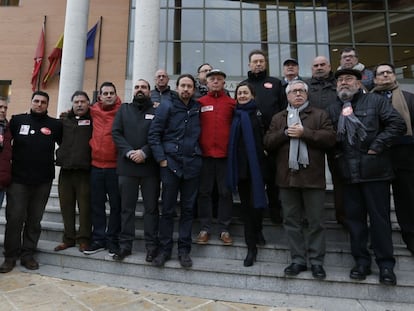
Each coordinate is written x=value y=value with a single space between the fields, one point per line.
x=268 y=143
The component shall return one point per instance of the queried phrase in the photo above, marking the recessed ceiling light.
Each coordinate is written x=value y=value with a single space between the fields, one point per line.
x=393 y=34
x=335 y=50
x=407 y=51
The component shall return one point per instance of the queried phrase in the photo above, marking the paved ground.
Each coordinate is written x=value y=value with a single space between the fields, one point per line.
x=20 y=290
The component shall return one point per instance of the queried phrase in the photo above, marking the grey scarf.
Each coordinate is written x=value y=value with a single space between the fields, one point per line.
x=298 y=151
x=349 y=126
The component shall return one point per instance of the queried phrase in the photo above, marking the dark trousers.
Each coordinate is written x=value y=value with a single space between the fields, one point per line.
x=403 y=191
x=372 y=198
x=338 y=189
x=75 y=189
x=252 y=217
x=104 y=182
x=213 y=172
x=129 y=188
x=304 y=242
x=272 y=190
x=171 y=185
x=24 y=211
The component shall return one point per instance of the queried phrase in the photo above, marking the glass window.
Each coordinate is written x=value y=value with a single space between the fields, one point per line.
x=192 y=3
x=222 y=25
x=5 y=88
x=192 y=25
x=370 y=27
x=400 y=5
x=222 y=4
x=401 y=28
x=272 y=22
x=251 y=27
x=339 y=27
x=305 y=26
x=306 y=54
x=192 y=56
x=285 y=32
x=225 y=56
x=403 y=59
x=9 y=2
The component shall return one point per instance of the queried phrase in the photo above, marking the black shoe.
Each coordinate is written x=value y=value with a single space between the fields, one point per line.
x=160 y=260
x=185 y=260
x=294 y=269
x=260 y=240
x=387 y=276
x=93 y=248
x=250 y=258
x=151 y=254
x=359 y=272
x=121 y=254
x=7 y=265
x=29 y=263
x=318 y=272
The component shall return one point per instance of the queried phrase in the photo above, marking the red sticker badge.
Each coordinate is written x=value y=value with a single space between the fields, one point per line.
x=45 y=131
x=268 y=85
x=347 y=111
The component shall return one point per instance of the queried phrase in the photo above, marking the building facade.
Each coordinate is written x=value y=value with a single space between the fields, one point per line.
x=179 y=35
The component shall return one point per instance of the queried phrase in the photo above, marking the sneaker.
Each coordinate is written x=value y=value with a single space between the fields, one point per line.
x=112 y=252
x=202 y=237
x=226 y=238
x=185 y=260
x=93 y=248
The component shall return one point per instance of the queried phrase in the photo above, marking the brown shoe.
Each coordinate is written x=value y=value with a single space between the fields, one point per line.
x=226 y=238
x=63 y=246
x=7 y=265
x=29 y=263
x=202 y=237
x=83 y=246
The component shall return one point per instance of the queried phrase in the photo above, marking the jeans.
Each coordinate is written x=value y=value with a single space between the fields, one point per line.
x=104 y=185
x=171 y=185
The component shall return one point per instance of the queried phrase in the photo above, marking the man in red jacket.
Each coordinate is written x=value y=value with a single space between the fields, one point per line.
x=216 y=115
x=104 y=179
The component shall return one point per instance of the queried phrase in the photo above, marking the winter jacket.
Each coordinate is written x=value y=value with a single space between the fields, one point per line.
x=174 y=134
x=130 y=132
x=322 y=92
x=269 y=94
x=34 y=138
x=319 y=137
x=104 y=151
x=383 y=125
x=158 y=96
x=216 y=114
x=75 y=152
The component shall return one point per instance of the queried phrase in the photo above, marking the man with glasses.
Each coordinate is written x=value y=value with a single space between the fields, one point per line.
x=300 y=136
x=33 y=169
x=104 y=179
x=366 y=126
x=201 y=81
x=162 y=90
x=349 y=60
x=402 y=151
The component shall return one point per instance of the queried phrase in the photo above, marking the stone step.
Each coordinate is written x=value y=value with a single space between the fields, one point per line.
x=229 y=273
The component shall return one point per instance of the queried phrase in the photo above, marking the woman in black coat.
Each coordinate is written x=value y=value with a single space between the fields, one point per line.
x=245 y=157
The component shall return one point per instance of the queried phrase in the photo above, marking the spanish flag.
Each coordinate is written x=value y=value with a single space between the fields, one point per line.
x=38 y=59
x=54 y=59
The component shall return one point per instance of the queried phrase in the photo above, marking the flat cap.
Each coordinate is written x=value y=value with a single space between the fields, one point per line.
x=216 y=72
x=290 y=60
x=352 y=72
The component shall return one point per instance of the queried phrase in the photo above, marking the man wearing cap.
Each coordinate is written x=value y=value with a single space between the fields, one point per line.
x=270 y=100
x=290 y=73
x=366 y=128
x=216 y=114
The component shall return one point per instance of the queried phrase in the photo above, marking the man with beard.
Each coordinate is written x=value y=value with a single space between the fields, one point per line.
x=33 y=169
x=366 y=128
x=136 y=169
x=173 y=137
x=74 y=158
x=402 y=151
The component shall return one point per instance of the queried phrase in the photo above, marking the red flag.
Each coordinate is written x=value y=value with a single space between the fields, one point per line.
x=38 y=58
x=54 y=58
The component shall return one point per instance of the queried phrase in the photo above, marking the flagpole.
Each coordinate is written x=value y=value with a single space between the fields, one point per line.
x=39 y=76
x=95 y=93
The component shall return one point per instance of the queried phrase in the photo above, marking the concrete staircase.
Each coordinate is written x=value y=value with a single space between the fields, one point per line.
x=222 y=266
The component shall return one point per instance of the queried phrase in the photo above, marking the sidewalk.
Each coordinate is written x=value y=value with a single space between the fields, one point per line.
x=20 y=291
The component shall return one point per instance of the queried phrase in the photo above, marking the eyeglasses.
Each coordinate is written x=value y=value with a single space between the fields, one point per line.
x=388 y=72
x=108 y=93
x=346 y=56
x=37 y=101
x=346 y=79
x=300 y=91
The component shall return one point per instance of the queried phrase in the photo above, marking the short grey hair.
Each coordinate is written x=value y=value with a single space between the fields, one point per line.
x=292 y=83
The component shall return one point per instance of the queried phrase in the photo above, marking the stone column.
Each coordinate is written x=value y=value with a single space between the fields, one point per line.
x=73 y=53
x=146 y=40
